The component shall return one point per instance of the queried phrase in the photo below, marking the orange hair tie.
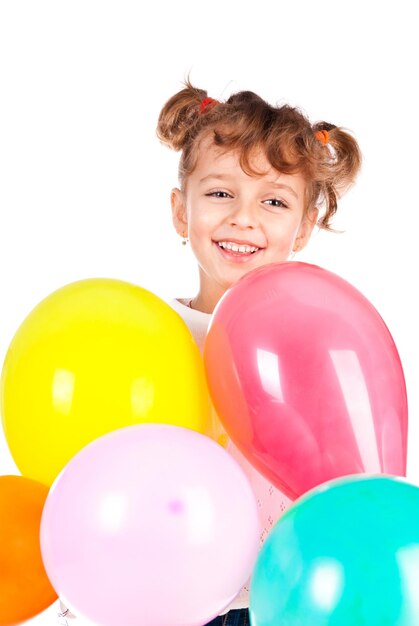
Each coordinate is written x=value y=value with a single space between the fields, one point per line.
x=207 y=103
x=322 y=136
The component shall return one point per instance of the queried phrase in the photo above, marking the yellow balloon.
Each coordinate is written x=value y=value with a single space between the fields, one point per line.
x=94 y=356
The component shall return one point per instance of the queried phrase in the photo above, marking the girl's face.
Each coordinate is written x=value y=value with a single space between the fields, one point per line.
x=236 y=222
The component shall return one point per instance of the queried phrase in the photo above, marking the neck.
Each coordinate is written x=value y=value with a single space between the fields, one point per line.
x=209 y=294
x=203 y=303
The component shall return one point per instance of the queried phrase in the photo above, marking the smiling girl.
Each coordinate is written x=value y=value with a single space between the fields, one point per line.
x=254 y=180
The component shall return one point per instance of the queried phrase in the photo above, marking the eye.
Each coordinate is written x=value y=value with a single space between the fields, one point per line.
x=218 y=194
x=277 y=203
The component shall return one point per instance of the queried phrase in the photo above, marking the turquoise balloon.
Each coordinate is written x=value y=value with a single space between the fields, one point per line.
x=346 y=554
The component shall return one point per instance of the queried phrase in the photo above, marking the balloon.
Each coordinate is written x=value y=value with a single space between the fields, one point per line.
x=306 y=378
x=25 y=589
x=151 y=524
x=346 y=553
x=94 y=356
x=217 y=431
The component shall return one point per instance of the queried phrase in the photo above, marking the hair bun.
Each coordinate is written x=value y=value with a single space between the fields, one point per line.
x=179 y=115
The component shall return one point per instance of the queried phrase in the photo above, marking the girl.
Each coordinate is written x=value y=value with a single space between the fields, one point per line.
x=253 y=180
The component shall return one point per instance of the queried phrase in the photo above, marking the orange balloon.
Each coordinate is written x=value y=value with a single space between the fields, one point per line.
x=25 y=589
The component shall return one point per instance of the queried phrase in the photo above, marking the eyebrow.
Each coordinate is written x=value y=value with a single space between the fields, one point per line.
x=220 y=176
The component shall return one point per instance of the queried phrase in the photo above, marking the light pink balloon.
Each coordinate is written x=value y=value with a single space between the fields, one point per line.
x=152 y=525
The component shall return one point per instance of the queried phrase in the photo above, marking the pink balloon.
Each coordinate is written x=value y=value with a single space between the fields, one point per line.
x=150 y=524
x=306 y=378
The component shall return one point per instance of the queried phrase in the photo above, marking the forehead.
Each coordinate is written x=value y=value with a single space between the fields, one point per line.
x=213 y=159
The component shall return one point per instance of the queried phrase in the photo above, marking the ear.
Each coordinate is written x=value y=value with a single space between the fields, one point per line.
x=179 y=215
x=306 y=227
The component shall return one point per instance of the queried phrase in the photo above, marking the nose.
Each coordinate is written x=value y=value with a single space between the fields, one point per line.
x=243 y=215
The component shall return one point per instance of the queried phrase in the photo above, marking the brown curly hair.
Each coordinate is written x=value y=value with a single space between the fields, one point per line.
x=245 y=123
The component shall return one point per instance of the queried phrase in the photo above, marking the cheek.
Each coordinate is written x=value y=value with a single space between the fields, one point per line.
x=283 y=238
x=282 y=251
x=203 y=224
x=200 y=238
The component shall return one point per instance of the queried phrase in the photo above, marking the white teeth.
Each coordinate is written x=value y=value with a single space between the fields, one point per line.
x=234 y=247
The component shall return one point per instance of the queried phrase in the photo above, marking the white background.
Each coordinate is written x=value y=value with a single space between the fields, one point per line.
x=84 y=183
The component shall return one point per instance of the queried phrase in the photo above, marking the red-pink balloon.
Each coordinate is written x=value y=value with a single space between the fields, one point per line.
x=151 y=524
x=306 y=378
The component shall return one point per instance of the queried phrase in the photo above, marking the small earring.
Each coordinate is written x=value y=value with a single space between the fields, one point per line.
x=185 y=240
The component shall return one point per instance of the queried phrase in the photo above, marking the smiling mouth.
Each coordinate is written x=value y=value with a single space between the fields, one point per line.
x=237 y=247
x=238 y=256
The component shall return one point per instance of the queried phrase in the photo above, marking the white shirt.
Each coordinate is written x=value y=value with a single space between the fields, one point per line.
x=271 y=502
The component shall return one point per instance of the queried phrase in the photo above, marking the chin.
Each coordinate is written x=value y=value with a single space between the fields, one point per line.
x=238 y=276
